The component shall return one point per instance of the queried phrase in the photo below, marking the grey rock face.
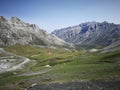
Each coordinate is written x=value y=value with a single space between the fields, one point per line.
x=15 y=31
x=91 y=33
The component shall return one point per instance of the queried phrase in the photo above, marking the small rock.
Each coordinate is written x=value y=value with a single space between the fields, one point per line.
x=47 y=66
x=14 y=73
x=32 y=85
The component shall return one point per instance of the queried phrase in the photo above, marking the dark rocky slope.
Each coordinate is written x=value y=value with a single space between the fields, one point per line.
x=90 y=85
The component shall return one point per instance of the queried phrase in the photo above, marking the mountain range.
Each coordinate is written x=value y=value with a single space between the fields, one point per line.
x=15 y=31
x=90 y=33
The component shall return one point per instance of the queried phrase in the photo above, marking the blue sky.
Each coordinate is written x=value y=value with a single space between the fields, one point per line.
x=56 y=14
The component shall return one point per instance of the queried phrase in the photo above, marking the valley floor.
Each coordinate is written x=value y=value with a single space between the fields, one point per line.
x=63 y=69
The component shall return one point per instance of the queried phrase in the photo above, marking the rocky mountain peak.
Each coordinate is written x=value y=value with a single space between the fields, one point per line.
x=2 y=18
x=15 y=19
x=16 y=31
x=91 y=33
x=34 y=26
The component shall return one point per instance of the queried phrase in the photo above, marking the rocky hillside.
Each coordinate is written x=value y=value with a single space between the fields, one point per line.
x=90 y=33
x=15 y=31
x=112 y=47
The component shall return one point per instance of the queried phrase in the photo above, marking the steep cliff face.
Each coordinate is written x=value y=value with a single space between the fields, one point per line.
x=91 y=33
x=15 y=31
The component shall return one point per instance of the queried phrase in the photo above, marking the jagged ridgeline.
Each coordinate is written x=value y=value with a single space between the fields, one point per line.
x=15 y=31
x=90 y=33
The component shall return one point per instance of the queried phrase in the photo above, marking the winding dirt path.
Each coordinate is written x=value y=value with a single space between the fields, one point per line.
x=17 y=66
x=36 y=73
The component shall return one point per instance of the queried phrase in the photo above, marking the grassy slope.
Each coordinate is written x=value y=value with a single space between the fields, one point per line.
x=69 y=66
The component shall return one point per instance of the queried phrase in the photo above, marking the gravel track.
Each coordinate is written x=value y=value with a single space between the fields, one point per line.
x=83 y=85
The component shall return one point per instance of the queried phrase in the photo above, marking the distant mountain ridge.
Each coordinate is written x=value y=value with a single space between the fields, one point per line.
x=15 y=31
x=90 y=33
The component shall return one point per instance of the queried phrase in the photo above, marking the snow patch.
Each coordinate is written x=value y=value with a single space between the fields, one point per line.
x=93 y=50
